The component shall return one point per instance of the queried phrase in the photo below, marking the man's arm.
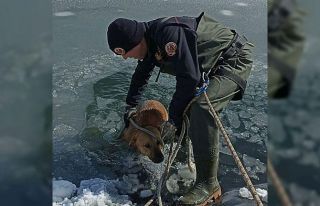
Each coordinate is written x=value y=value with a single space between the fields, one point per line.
x=186 y=67
x=138 y=81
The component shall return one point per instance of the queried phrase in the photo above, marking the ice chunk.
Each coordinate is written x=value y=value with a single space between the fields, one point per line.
x=262 y=193
x=247 y=124
x=260 y=119
x=172 y=184
x=54 y=93
x=185 y=173
x=233 y=119
x=253 y=166
x=245 y=193
x=244 y=114
x=98 y=185
x=145 y=193
x=186 y=176
x=130 y=184
x=62 y=189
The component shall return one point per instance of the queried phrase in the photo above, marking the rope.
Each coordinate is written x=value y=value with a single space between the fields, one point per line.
x=234 y=154
x=173 y=153
x=277 y=185
x=144 y=130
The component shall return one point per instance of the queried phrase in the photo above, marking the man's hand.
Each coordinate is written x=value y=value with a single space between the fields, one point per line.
x=130 y=111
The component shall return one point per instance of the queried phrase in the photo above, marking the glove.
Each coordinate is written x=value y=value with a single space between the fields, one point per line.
x=168 y=129
x=130 y=112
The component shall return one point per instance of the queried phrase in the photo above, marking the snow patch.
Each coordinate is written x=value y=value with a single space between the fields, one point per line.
x=90 y=199
x=64 y=13
x=245 y=193
x=241 y=4
x=93 y=192
x=226 y=12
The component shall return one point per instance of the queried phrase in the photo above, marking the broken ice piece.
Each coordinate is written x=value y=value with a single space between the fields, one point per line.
x=145 y=193
x=245 y=193
x=62 y=189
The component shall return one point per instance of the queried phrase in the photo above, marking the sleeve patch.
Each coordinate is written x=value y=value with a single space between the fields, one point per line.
x=171 y=48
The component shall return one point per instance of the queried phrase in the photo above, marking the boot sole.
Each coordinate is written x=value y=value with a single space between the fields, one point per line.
x=216 y=197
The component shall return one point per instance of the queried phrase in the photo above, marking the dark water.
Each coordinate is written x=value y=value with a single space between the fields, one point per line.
x=90 y=86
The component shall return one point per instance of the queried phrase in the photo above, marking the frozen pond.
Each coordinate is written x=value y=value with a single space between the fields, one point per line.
x=89 y=89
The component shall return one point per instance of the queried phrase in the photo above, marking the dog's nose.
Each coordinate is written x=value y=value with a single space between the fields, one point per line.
x=159 y=158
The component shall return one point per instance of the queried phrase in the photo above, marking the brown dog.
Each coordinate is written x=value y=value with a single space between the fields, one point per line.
x=150 y=115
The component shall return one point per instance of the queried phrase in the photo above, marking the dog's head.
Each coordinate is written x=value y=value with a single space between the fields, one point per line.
x=150 y=115
x=150 y=146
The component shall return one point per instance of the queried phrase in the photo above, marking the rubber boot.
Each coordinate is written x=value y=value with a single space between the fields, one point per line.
x=205 y=140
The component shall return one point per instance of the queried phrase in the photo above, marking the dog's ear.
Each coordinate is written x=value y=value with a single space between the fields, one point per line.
x=151 y=113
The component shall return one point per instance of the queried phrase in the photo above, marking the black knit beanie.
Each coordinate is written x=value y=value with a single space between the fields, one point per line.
x=125 y=34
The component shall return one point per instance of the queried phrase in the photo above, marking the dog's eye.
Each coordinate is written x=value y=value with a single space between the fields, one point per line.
x=147 y=145
x=158 y=142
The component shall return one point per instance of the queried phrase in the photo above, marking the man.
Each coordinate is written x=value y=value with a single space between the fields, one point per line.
x=191 y=49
